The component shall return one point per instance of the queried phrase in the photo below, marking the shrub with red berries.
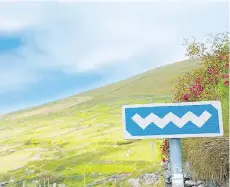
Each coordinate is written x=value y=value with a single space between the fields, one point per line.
x=210 y=82
x=204 y=83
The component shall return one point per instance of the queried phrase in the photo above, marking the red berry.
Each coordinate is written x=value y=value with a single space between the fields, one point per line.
x=222 y=58
x=186 y=97
x=226 y=83
x=200 y=88
x=210 y=79
x=164 y=160
x=198 y=80
x=225 y=75
x=210 y=70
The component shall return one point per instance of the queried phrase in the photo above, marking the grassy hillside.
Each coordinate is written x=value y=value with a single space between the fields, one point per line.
x=79 y=139
x=156 y=81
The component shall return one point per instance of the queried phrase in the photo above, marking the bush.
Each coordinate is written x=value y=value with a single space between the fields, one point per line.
x=211 y=81
x=208 y=156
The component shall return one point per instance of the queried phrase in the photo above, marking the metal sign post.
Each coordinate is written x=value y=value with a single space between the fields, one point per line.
x=176 y=162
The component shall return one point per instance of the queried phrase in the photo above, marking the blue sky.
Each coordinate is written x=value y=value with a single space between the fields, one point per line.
x=53 y=50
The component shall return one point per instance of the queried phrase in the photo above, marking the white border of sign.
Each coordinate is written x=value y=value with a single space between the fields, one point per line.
x=216 y=104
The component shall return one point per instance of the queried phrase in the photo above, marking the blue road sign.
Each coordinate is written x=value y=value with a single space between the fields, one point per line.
x=172 y=120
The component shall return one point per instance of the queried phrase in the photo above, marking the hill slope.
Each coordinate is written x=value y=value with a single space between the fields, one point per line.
x=154 y=82
x=79 y=139
x=157 y=81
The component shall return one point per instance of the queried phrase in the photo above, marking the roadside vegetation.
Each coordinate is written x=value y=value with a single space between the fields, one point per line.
x=209 y=157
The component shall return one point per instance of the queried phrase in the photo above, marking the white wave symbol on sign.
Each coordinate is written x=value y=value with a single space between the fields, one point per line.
x=170 y=117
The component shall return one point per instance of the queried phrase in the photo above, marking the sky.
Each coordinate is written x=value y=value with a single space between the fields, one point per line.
x=52 y=50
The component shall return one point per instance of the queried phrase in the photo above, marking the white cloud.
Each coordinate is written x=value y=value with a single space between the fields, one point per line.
x=78 y=37
x=16 y=16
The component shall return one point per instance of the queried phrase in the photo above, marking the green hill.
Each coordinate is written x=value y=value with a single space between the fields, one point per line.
x=79 y=139
x=157 y=81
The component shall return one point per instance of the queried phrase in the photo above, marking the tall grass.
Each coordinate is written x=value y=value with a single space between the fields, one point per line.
x=209 y=157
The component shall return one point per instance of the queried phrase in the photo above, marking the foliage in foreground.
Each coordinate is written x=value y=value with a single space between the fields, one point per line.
x=208 y=156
